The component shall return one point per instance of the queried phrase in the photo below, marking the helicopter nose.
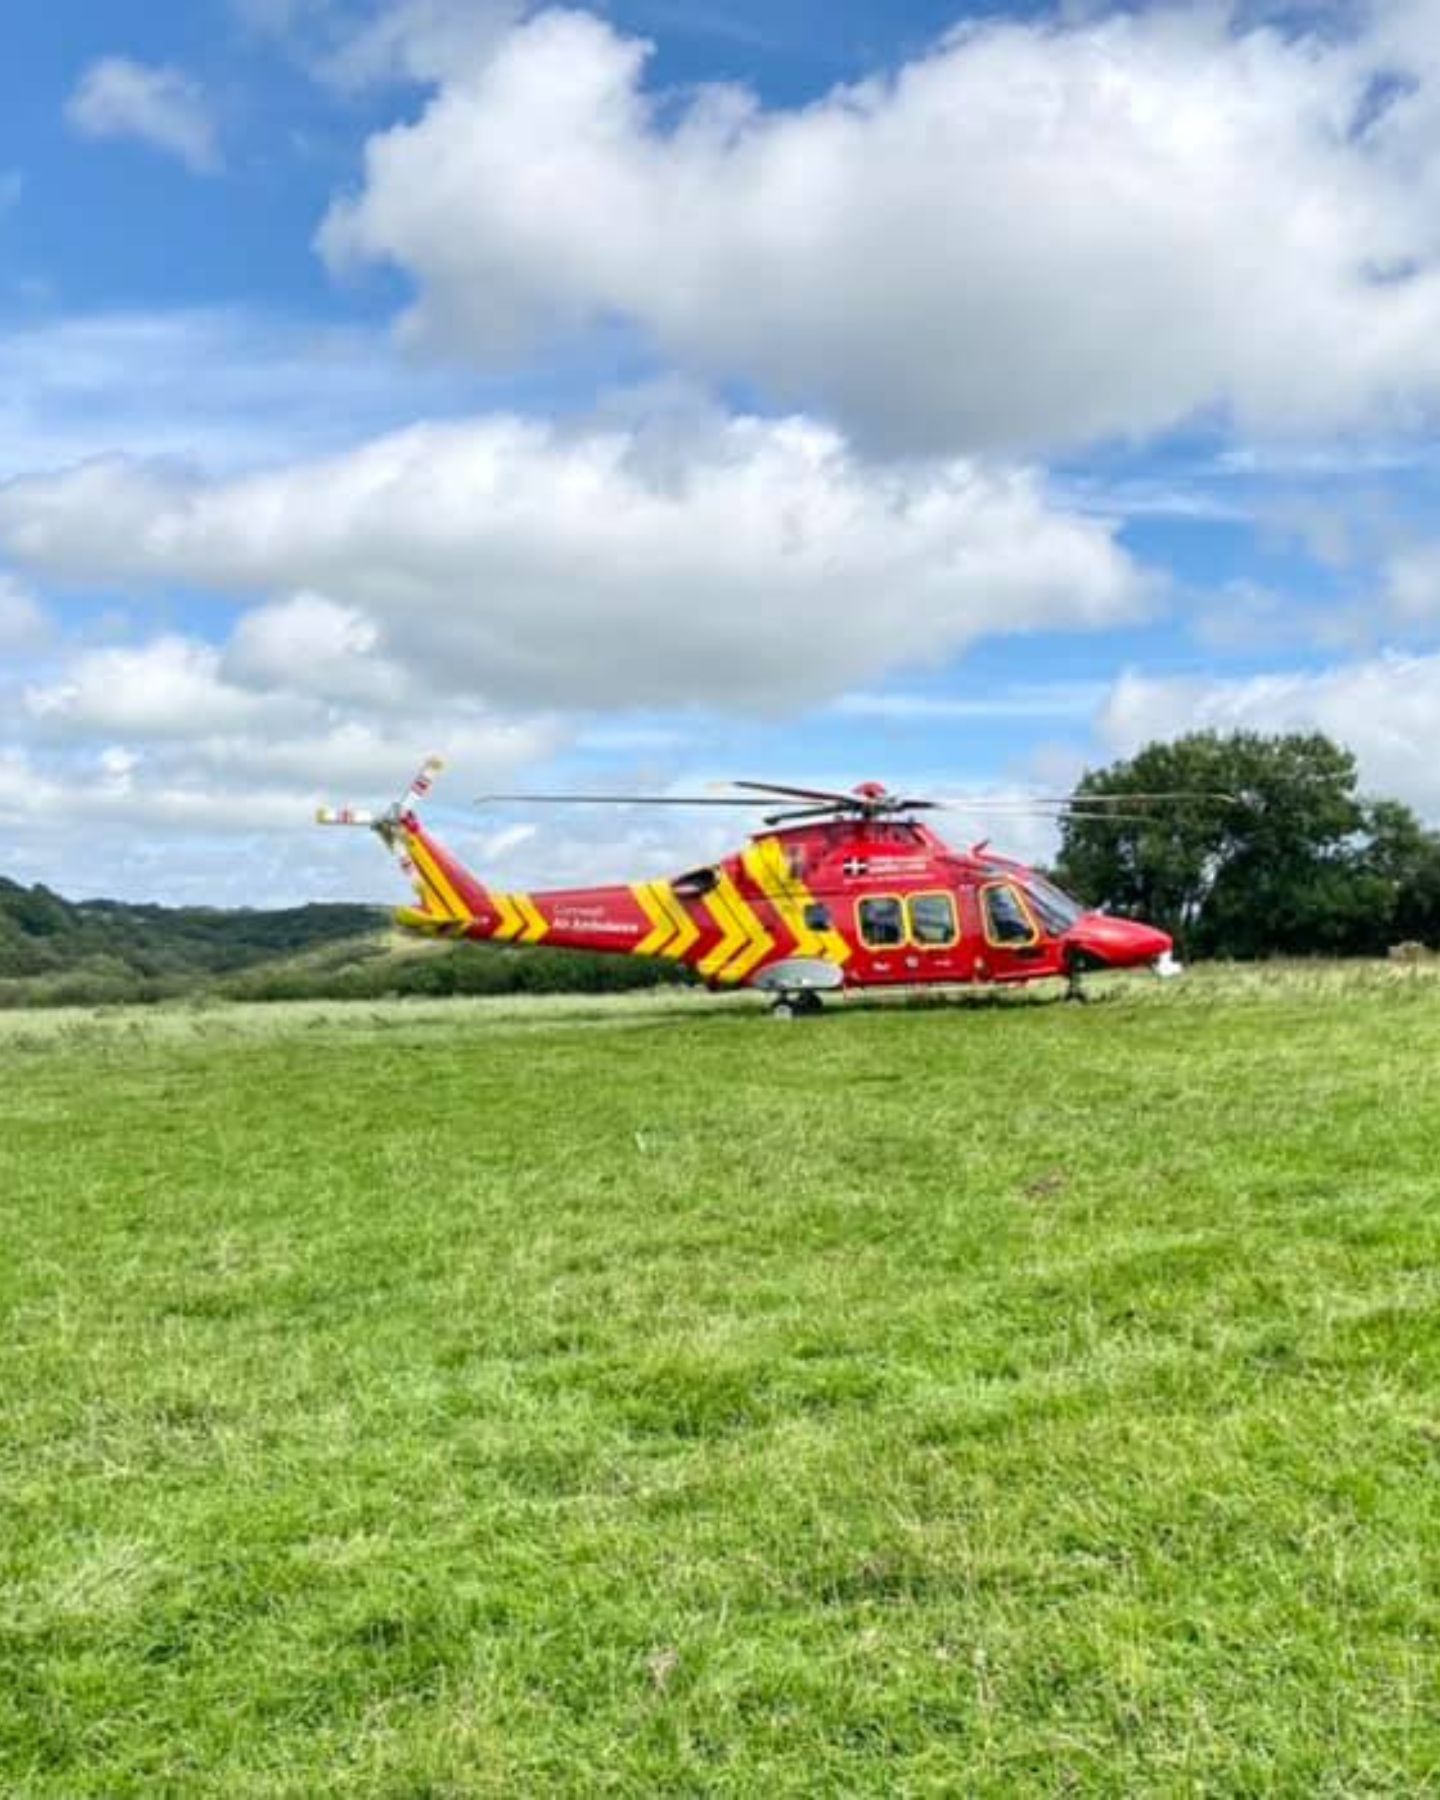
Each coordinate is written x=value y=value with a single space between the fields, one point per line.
x=1152 y=944
x=1119 y=943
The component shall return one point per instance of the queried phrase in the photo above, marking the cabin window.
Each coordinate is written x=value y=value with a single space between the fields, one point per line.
x=1006 y=920
x=1057 y=911
x=882 y=921
x=697 y=883
x=932 y=920
x=817 y=916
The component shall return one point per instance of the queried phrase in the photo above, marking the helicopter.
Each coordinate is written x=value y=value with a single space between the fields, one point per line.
x=838 y=891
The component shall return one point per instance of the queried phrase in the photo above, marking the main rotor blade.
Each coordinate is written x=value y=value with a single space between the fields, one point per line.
x=1106 y=818
x=1173 y=794
x=616 y=800
x=851 y=801
x=823 y=803
x=1064 y=802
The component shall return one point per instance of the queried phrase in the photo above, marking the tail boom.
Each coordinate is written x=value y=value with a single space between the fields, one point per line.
x=728 y=923
x=729 y=933
x=719 y=935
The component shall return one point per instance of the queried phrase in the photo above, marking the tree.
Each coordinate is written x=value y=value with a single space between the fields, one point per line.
x=1293 y=861
x=1397 y=880
x=1416 y=877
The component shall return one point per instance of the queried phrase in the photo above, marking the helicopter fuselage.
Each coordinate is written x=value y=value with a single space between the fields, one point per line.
x=845 y=903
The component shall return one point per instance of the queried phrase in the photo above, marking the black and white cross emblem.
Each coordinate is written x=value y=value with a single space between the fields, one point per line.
x=854 y=865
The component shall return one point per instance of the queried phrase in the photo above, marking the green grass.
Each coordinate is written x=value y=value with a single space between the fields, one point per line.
x=645 y=1397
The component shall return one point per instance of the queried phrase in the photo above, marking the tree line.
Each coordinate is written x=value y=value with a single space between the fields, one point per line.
x=1292 y=860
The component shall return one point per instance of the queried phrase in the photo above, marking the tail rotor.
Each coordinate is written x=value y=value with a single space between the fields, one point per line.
x=346 y=815
x=386 y=822
x=422 y=784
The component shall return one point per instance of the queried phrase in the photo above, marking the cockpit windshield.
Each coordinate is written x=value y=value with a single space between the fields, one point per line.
x=1058 y=912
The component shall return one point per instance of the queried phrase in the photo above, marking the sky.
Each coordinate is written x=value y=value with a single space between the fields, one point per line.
x=638 y=396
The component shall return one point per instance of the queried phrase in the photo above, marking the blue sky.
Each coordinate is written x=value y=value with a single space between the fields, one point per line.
x=825 y=391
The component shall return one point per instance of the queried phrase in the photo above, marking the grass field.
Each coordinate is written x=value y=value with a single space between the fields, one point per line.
x=646 y=1397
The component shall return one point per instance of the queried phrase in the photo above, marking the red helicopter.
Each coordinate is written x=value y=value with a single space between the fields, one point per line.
x=839 y=891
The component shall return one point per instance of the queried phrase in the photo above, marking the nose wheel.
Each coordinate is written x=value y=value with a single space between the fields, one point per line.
x=1074 y=986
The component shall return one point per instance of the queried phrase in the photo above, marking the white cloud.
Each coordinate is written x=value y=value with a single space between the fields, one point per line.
x=231 y=821
x=244 y=713
x=31 y=798
x=1036 y=232
x=22 y=624
x=170 y=687
x=154 y=104
x=118 y=766
x=1412 y=583
x=372 y=759
x=354 y=44
x=1384 y=709
x=735 y=561
x=315 y=646
x=1028 y=700
x=418 y=40
x=492 y=590
x=161 y=745
x=226 y=388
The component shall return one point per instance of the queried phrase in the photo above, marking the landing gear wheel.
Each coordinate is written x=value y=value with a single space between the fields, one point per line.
x=802 y=1005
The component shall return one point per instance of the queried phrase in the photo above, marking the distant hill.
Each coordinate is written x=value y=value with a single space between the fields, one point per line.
x=58 y=952
x=53 y=948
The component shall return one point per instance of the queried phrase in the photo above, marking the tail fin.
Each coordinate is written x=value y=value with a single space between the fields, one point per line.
x=450 y=897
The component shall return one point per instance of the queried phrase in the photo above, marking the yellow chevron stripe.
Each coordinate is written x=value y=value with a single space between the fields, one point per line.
x=510 y=917
x=461 y=910
x=761 y=942
x=648 y=897
x=756 y=864
x=535 y=926
x=687 y=932
x=435 y=880
x=732 y=932
x=767 y=866
x=744 y=940
x=421 y=874
x=414 y=918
